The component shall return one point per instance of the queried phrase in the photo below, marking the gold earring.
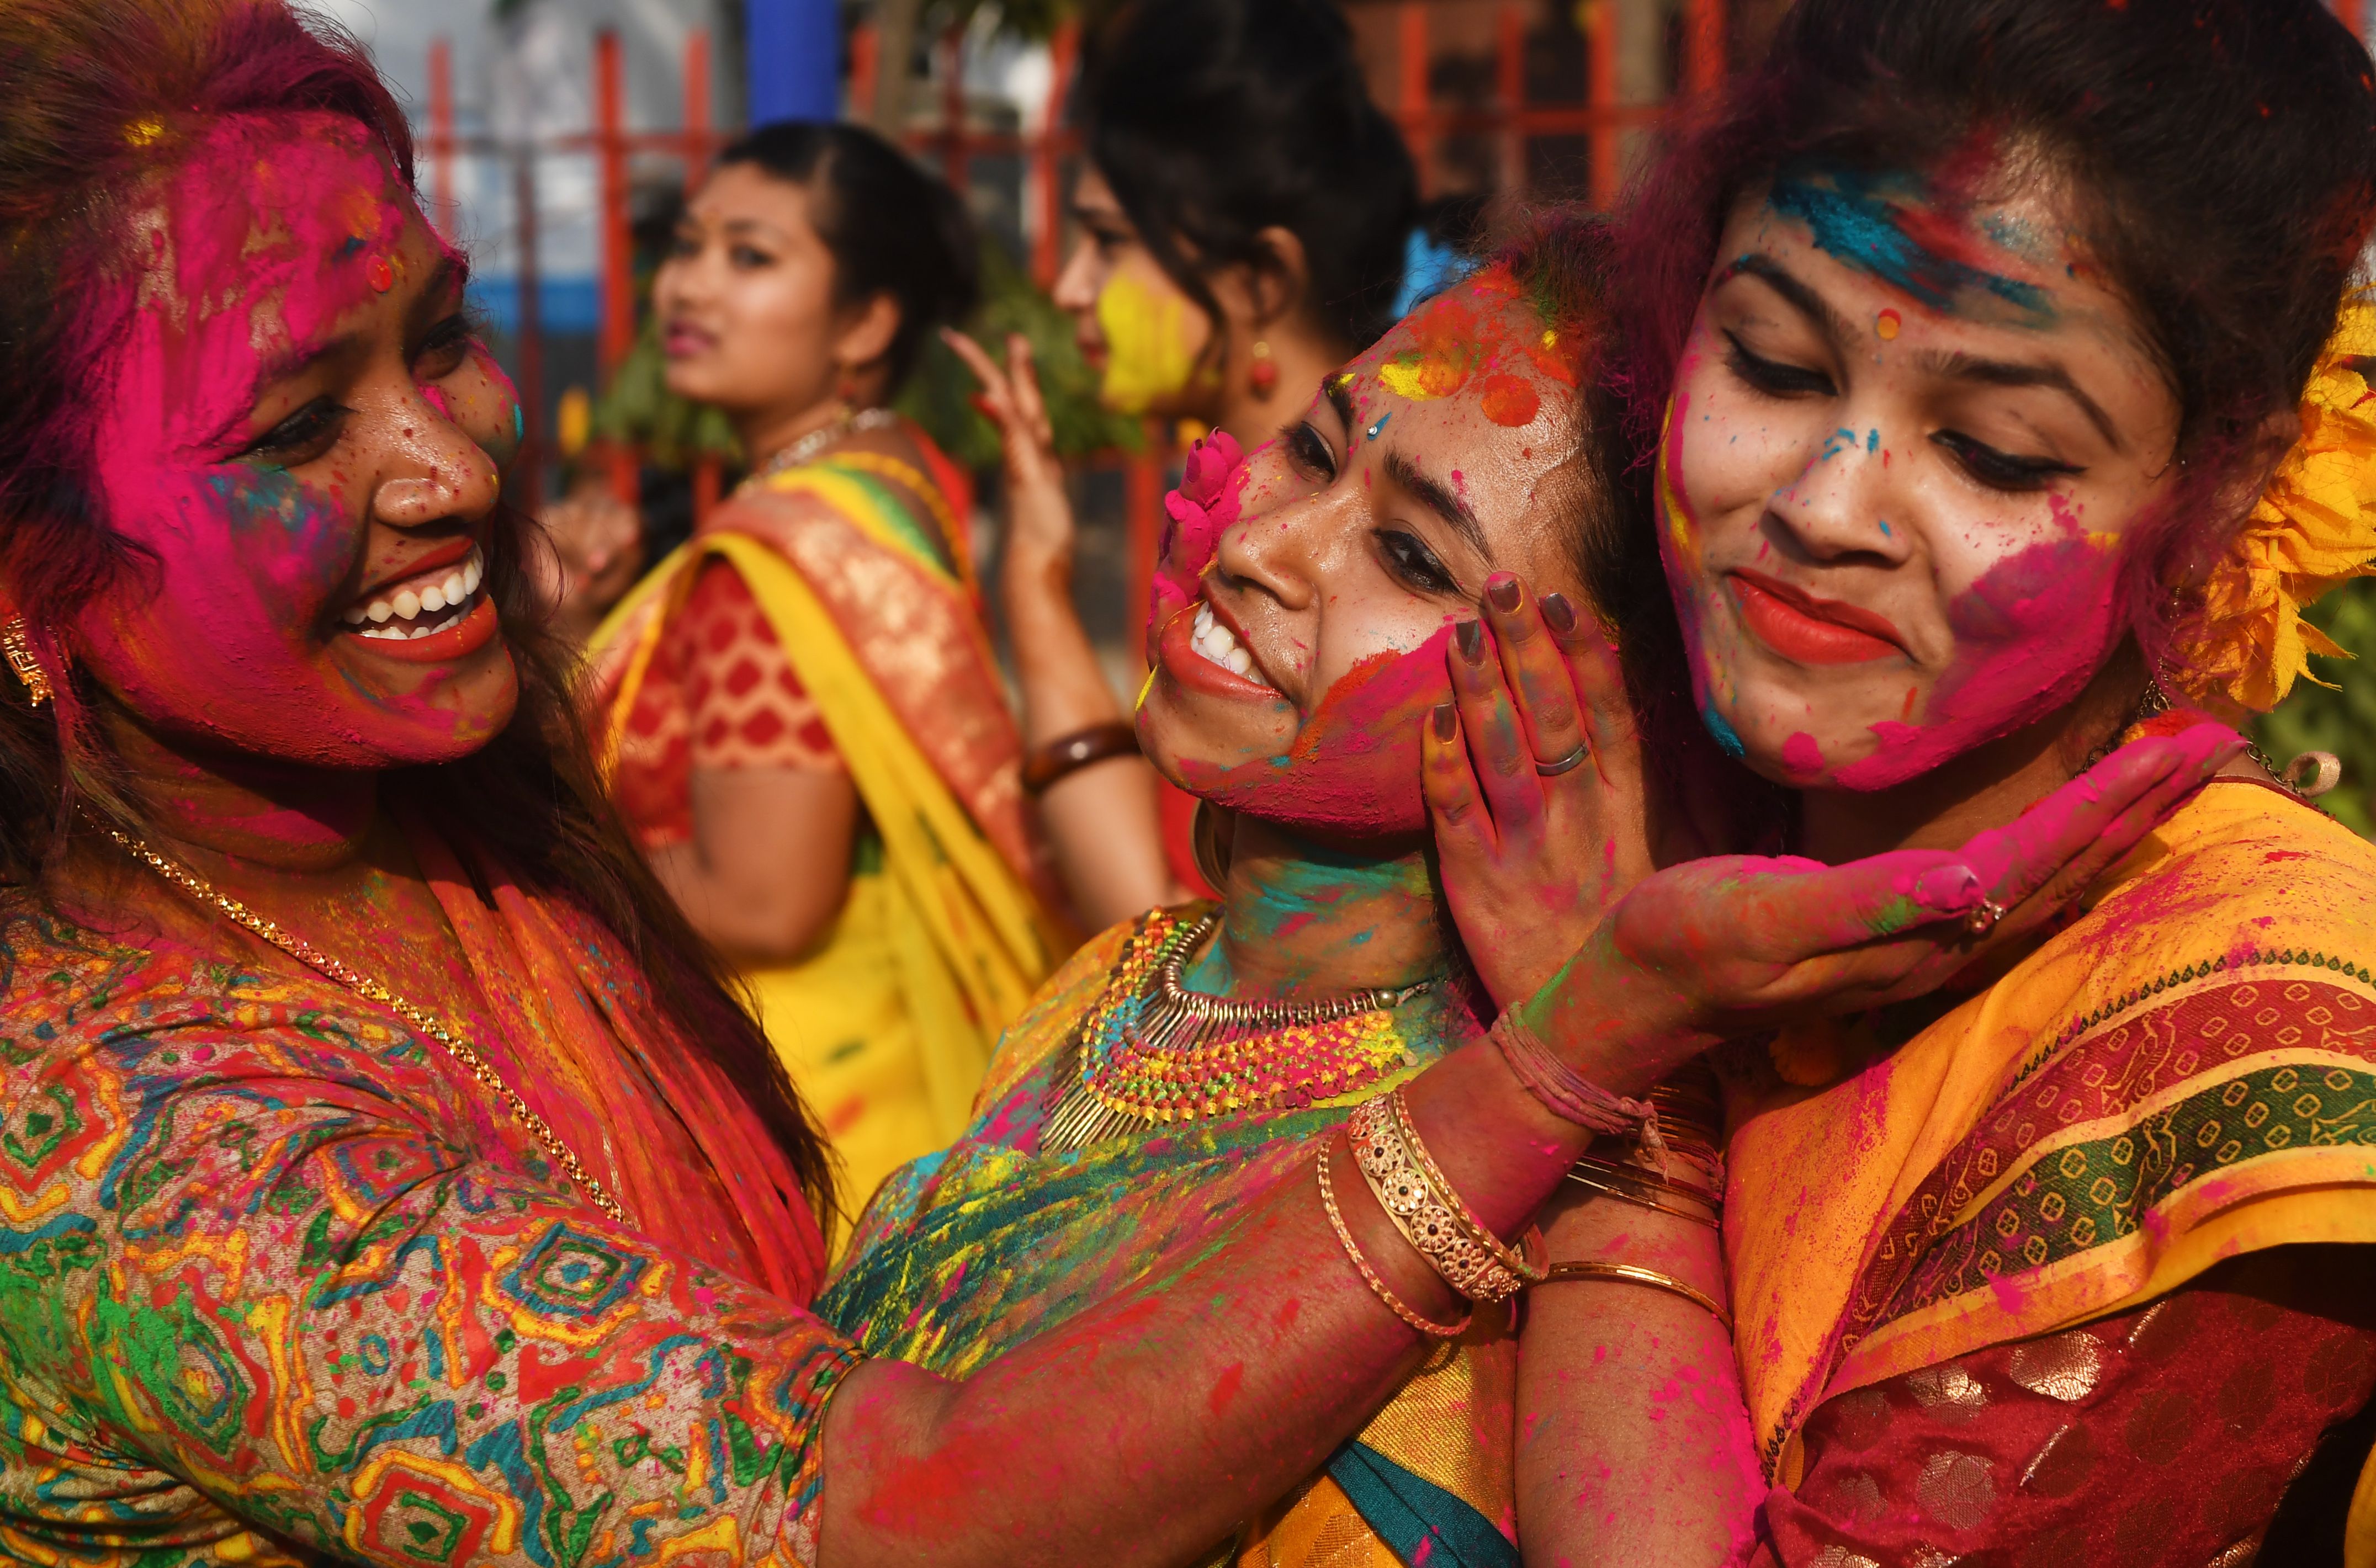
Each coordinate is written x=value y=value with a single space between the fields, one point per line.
x=19 y=649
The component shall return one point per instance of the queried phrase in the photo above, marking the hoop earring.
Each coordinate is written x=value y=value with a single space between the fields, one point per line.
x=17 y=644
x=1212 y=855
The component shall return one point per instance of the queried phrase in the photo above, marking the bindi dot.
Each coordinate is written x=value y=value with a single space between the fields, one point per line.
x=1379 y=425
x=1886 y=327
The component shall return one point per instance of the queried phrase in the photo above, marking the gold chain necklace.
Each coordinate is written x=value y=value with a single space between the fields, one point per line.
x=313 y=958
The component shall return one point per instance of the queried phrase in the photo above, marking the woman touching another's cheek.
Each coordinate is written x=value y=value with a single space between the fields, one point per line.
x=306 y=467
x=1305 y=598
x=1909 y=432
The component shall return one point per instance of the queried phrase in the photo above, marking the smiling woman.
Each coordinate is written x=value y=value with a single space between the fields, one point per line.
x=2006 y=391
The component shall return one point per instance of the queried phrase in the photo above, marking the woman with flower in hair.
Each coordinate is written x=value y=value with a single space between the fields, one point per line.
x=2010 y=396
x=386 y=1174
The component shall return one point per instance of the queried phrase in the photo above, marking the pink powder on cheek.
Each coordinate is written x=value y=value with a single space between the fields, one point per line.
x=273 y=227
x=1354 y=766
x=2029 y=636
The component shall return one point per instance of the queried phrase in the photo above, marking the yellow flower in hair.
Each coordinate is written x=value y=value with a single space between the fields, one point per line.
x=2313 y=528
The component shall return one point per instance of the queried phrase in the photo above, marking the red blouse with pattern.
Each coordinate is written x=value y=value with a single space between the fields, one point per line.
x=720 y=695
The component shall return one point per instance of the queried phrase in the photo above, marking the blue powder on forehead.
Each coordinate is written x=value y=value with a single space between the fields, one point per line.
x=1853 y=221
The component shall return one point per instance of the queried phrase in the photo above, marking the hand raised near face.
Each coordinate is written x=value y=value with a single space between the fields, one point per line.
x=1720 y=948
x=1039 y=530
x=1533 y=778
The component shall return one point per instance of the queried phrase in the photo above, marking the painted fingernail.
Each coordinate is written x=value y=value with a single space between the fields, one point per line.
x=1470 y=637
x=1559 y=613
x=1447 y=721
x=1501 y=589
x=1948 y=887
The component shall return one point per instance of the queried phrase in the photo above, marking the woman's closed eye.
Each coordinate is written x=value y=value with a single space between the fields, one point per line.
x=304 y=436
x=1776 y=378
x=1307 y=452
x=448 y=344
x=2001 y=470
x=1409 y=561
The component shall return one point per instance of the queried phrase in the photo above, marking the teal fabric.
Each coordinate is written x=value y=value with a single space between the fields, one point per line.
x=1421 y=1523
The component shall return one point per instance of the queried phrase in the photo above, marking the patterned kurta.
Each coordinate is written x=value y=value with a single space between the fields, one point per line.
x=276 y=1281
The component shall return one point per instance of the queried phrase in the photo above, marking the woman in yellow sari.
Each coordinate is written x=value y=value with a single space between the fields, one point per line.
x=2011 y=397
x=800 y=712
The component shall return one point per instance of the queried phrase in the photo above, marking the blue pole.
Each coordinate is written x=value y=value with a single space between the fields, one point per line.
x=794 y=48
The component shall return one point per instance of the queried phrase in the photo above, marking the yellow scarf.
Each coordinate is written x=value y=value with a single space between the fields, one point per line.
x=897 y=1008
x=2182 y=1075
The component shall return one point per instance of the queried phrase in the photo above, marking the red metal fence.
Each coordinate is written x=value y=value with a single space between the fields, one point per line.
x=1601 y=117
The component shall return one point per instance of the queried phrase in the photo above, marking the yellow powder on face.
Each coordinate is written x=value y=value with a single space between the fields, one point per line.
x=1148 y=353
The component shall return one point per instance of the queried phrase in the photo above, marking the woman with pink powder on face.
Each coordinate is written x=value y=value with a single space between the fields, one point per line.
x=2008 y=399
x=387 y=1174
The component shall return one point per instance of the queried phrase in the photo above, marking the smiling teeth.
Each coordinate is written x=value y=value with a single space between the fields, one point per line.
x=1217 y=643
x=411 y=603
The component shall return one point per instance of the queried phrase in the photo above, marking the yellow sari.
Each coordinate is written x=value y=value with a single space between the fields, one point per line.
x=2185 y=1074
x=887 y=1024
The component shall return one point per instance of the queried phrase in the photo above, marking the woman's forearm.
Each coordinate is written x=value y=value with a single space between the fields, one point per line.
x=1633 y=1440
x=1145 y=1430
x=1101 y=821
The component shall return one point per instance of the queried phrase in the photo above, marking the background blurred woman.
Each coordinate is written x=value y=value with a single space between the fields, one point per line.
x=1244 y=212
x=802 y=716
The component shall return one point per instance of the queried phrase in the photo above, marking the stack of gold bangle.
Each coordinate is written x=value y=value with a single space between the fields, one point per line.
x=1421 y=1201
x=1649 y=1189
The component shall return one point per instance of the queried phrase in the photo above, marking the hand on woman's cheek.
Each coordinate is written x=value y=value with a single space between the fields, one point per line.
x=1892 y=497
x=296 y=423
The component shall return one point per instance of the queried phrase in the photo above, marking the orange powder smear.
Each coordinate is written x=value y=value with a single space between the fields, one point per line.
x=1509 y=400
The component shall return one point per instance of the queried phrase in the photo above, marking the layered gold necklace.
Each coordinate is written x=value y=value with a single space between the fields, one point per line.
x=1149 y=1051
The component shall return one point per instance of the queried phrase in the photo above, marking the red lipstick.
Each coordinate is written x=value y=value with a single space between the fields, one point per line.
x=1807 y=630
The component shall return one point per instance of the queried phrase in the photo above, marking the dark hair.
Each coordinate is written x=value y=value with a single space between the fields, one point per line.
x=97 y=98
x=2220 y=163
x=893 y=228
x=1213 y=120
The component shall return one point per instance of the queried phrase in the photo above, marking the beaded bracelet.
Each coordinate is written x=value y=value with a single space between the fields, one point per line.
x=1567 y=1094
x=1369 y=1275
x=1424 y=1216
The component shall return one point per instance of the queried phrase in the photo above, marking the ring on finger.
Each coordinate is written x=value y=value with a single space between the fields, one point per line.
x=1982 y=921
x=1567 y=763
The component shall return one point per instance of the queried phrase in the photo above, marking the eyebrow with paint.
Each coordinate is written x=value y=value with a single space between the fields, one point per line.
x=1439 y=499
x=1808 y=303
x=1338 y=390
x=2008 y=373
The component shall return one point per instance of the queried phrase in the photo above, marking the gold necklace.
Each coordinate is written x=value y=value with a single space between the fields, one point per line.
x=1151 y=1052
x=313 y=958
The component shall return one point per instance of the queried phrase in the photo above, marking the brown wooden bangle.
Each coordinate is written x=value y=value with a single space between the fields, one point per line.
x=1067 y=754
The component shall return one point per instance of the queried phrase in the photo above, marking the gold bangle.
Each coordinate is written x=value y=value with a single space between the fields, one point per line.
x=1426 y=1221
x=1713 y=1221
x=1642 y=1176
x=1369 y=1275
x=1478 y=1231
x=1633 y=1274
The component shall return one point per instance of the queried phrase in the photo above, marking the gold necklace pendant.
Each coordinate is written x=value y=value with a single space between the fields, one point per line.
x=1149 y=1051
x=313 y=959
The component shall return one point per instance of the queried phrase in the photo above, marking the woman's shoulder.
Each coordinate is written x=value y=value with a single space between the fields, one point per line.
x=2251 y=865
